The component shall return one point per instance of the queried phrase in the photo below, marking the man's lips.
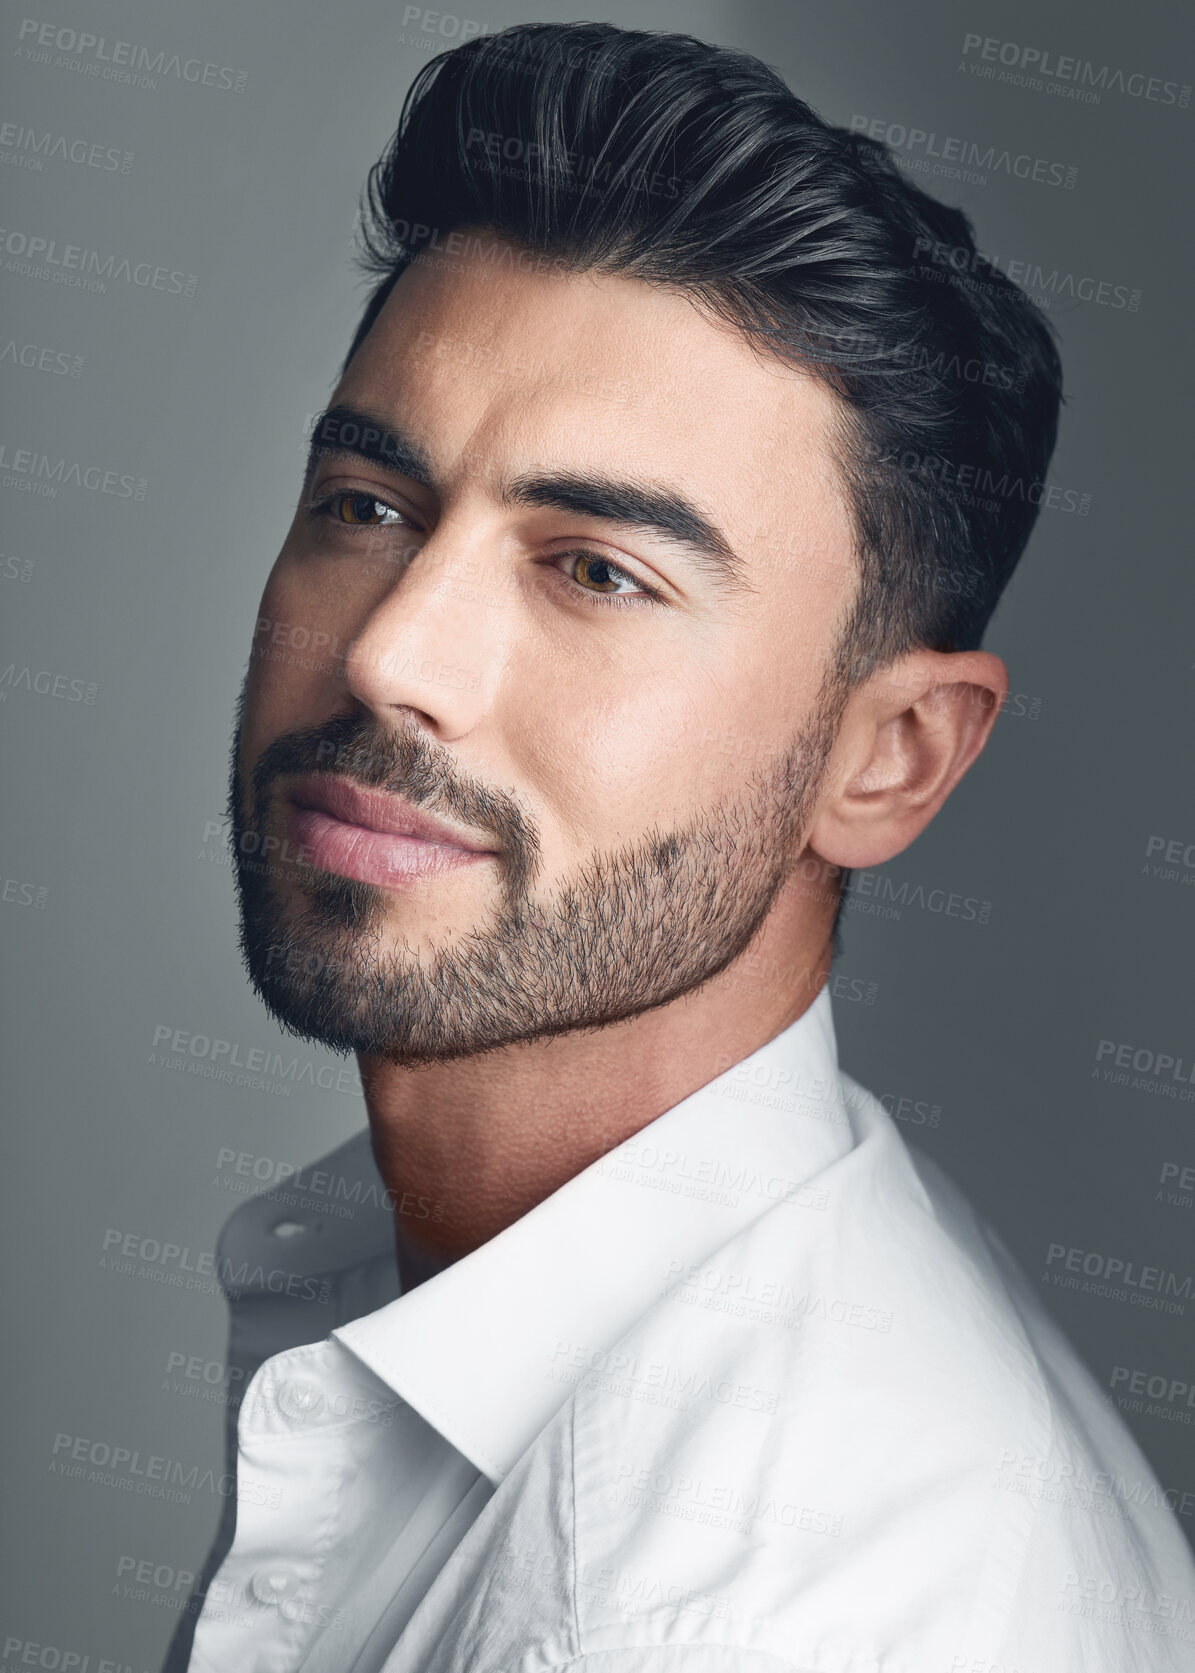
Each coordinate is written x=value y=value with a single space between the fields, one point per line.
x=371 y=836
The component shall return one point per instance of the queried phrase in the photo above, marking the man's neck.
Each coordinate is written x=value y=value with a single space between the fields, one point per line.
x=468 y=1146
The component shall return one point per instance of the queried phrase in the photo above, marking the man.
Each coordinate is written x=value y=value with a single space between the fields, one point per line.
x=634 y=596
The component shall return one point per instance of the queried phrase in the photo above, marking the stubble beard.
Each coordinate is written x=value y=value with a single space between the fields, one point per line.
x=635 y=927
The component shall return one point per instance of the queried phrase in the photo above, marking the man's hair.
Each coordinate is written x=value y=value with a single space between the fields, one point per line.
x=660 y=157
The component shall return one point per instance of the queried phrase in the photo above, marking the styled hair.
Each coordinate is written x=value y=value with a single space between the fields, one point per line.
x=660 y=157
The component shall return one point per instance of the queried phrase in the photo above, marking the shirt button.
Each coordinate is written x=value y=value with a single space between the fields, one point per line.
x=299 y=1399
x=289 y=1228
x=272 y=1586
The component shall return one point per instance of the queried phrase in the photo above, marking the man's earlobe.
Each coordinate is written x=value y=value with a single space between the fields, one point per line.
x=907 y=736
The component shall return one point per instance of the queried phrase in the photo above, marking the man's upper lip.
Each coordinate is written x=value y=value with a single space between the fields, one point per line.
x=378 y=810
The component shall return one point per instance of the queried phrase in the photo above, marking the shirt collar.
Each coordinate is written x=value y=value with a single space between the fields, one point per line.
x=482 y=1349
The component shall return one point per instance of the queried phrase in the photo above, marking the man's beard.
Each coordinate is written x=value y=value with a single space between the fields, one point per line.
x=634 y=927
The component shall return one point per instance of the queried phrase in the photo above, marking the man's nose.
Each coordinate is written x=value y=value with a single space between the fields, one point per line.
x=434 y=642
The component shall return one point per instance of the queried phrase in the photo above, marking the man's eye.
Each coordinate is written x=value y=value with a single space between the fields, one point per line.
x=359 y=510
x=597 y=575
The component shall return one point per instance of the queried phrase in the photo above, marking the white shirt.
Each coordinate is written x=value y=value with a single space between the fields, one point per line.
x=756 y=1393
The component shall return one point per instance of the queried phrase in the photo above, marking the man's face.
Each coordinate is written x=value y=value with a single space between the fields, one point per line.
x=535 y=716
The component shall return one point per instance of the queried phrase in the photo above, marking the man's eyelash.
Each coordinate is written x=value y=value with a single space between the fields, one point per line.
x=646 y=595
x=321 y=506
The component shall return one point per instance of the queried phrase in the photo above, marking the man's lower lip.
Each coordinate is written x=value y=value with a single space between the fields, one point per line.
x=366 y=856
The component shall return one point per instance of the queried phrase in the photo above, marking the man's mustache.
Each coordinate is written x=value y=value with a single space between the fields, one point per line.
x=405 y=762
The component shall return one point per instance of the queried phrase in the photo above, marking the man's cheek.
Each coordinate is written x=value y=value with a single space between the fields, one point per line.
x=300 y=634
x=615 y=772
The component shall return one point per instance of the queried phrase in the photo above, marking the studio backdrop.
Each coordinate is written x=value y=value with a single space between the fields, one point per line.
x=179 y=291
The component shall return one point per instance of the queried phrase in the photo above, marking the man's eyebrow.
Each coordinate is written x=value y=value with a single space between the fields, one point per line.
x=347 y=431
x=637 y=506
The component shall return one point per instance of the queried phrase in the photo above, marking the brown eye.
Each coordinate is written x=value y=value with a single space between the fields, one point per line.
x=360 y=509
x=596 y=575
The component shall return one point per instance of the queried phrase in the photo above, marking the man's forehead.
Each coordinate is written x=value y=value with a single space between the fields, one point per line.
x=637 y=341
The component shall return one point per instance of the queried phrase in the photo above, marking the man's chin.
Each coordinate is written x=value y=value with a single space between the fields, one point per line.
x=355 y=987
x=317 y=1008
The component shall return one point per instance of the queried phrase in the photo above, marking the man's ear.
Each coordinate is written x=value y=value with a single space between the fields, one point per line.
x=907 y=736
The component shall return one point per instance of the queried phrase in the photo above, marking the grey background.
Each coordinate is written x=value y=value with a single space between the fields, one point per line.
x=994 y=1025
